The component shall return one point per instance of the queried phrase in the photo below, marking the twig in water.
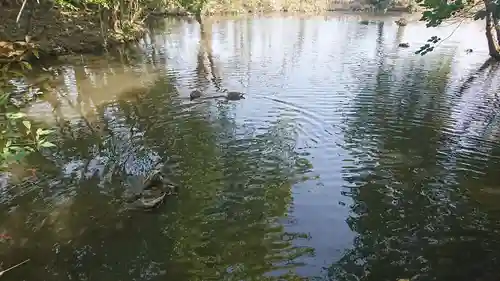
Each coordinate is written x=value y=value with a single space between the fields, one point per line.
x=20 y=11
x=12 y=267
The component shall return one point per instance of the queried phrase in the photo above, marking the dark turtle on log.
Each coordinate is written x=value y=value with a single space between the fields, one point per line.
x=150 y=192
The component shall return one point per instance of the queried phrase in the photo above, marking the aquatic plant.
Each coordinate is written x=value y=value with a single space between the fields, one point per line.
x=18 y=137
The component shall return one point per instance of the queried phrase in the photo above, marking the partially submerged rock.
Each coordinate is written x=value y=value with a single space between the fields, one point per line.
x=148 y=193
x=402 y=22
x=148 y=199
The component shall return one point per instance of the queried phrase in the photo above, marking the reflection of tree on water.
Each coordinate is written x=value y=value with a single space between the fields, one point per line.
x=235 y=180
x=205 y=51
x=412 y=209
x=224 y=224
x=400 y=34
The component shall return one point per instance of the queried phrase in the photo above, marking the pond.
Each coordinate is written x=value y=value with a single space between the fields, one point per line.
x=349 y=158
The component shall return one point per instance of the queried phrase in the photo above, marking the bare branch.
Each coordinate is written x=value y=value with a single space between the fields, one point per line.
x=21 y=11
x=14 y=266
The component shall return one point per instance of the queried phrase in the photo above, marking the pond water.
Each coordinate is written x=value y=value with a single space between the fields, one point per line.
x=349 y=158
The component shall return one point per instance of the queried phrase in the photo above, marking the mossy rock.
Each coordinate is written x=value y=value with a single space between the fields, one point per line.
x=148 y=193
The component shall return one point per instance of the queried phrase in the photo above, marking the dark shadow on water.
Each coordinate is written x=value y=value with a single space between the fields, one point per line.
x=226 y=223
x=418 y=208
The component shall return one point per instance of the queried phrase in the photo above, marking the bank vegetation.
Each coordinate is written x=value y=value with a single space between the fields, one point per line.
x=81 y=26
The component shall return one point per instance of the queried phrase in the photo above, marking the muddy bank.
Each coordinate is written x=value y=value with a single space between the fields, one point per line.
x=56 y=32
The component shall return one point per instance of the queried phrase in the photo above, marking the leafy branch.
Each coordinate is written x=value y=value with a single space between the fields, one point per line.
x=18 y=137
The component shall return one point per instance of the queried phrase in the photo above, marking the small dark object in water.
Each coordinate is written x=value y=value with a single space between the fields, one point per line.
x=468 y=51
x=364 y=22
x=195 y=94
x=402 y=22
x=404 y=45
x=155 y=188
x=228 y=96
x=234 y=96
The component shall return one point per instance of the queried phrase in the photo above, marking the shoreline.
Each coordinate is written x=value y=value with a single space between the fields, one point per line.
x=180 y=13
x=56 y=33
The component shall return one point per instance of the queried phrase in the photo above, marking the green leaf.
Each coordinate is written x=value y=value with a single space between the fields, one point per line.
x=15 y=115
x=16 y=148
x=4 y=98
x=27 y=124
x=20 y=155
x=35 y=53
x=14 y=135
x=41 y=132
x=47 y=144
x=6 y=153
x=26 y=64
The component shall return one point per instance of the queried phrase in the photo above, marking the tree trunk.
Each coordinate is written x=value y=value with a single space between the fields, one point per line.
x=198 y=18
x=494 y=13
x=497 y=27
x=492 y=31
x=492 y=42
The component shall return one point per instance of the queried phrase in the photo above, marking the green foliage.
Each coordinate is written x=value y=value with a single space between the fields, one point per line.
x=66 y=4
x=193 y=6
x=102 y=3
x=18 y=137
x=77 y=4
x=436 y=11
x=429 y=47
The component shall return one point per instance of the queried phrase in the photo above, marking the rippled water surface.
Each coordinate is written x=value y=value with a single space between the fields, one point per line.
x=349 y=158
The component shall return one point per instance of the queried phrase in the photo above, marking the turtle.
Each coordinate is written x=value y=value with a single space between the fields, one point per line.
x=228 y=96
x=234 y=96
x=195 y=94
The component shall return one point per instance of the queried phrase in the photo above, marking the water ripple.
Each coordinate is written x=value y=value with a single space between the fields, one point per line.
x=346 y=146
